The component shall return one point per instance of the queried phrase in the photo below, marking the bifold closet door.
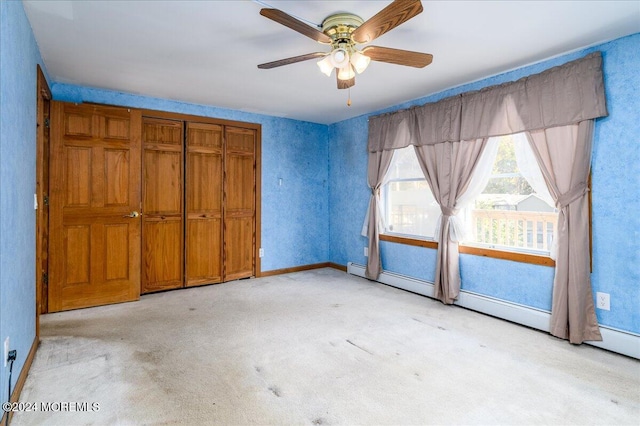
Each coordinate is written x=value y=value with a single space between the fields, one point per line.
x=204 y=166
x=94 y=249
x=239 y=203
x=162 y=204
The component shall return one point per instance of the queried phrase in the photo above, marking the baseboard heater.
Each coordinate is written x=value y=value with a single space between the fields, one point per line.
x=614 y=340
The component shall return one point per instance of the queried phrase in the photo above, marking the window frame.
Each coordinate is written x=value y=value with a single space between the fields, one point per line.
x=503 y=251
x=515 y=254
x=385 y=206
x=384 y=201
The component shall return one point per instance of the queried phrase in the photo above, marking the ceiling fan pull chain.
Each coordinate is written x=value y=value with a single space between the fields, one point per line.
x=349 y=99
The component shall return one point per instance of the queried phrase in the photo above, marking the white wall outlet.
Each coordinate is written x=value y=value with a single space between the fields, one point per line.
x=261 y=252
x=6 y=350
x=603 y=301
x=366 y=252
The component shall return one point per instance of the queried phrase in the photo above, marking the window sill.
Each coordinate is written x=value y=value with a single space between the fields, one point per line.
x=514 y=256
x=409 y=241
x=476 y=251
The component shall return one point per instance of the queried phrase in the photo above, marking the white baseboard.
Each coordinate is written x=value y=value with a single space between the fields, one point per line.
x=619 y=341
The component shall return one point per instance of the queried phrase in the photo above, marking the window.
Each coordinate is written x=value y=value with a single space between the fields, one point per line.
x=409 y=208
x=514 y=212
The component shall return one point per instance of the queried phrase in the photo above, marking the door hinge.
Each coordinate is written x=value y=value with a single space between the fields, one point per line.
x=46 y=122
x=45 y=279
x=45 y=200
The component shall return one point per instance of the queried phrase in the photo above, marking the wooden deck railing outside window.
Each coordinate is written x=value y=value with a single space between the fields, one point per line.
x=510 y=228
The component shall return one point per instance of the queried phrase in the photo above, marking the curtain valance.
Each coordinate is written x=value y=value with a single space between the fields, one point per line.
x=566 y=94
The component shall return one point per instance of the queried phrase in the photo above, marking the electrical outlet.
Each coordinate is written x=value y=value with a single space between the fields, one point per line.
x=261 y=252
x=603 y=301
x=366 y=252
x=6 y=350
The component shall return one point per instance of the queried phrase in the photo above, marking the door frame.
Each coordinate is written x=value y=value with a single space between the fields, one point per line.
x=43 y=102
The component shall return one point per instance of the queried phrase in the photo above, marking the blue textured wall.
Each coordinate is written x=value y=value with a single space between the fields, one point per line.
x=616 y=187
x=295 y=215
x=19 y=56
x=616 y=203
x=349 y=193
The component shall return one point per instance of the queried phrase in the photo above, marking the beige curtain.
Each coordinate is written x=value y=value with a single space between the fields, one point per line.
x=564 y=155
x=564 y=96
x=377 y=169
x=448 y=168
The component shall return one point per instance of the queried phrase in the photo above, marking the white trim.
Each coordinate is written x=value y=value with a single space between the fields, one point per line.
x=619 y=341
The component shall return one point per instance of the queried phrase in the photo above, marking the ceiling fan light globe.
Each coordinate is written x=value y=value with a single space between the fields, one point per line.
x=339 y=58
x=326 y=66
x=360 y=62
x=346 y=73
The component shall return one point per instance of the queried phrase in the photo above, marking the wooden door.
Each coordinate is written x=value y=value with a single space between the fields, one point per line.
x=94 y=256
x=204 y=176
x=239 y=203
x=162 y=201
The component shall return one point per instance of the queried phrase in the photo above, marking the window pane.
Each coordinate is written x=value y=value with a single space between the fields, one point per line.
x=408 y=204
x=509 y=214
x=404 y=165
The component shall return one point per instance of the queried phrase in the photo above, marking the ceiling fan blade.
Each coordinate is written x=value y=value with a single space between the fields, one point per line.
x=387 y=19
x=345 y=84
x=291 y=60
x=398 y=56
x=296 y=25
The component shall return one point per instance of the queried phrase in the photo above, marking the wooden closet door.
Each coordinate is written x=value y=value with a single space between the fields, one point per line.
x=204 y=168
x=162 y=204
x=239 y=203
x=94 y=256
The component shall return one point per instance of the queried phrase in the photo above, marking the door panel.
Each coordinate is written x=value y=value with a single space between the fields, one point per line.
x=239 y=204
x=162 y=182
x=239 y=248
x=77 y=253
x=205 y=262
x=78 y=182
x=114 y=127
x=204 y=203
x=204 y=173
x=95 y=183
x=162 y=205
x=239 y=186
x=117 y=166
x=115 y=252
x=204 y=135
x=162 y=248
x=78 y=123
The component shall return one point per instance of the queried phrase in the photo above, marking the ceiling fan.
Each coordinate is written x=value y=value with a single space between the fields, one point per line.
x=343 y=32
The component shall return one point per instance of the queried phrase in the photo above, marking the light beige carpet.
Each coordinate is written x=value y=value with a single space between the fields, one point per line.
x=319 y=347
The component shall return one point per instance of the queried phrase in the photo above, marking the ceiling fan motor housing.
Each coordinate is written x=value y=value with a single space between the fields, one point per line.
x=340 y=27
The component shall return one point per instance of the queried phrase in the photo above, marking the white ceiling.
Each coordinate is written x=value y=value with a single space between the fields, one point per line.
x=207 y=52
